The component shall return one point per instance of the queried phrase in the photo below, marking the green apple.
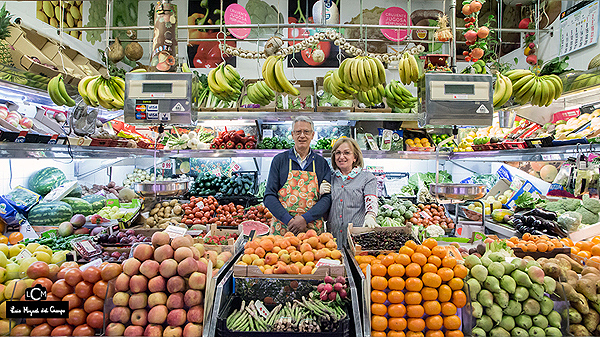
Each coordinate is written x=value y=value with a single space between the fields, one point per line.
x=58 y=258
x=16 y=249
x=3 y=260
x=42 y=256
x=4 y=248
x=45 y=249
x=25 y=263
x=32 y=246
x=12 y=271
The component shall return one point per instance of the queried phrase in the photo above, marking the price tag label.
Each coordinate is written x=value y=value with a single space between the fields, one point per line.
x=175 y=231
x=94 y=263
x=28 y=231
x=267 y=133
x=262 y=310
x=216 y=172
x=113 y=229
x=24 y=254
x=235 y=167
x=549 y=157
x=424 y=215
x=328 y=262
x=195 y=232
x=166 y=165
x=88 y=246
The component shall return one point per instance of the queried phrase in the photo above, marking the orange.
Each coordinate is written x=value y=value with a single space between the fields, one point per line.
x=444 y=293
x=423 y=250
x=456 y=283
x=449 y=262
x=414 y=334
x=406 y=250
x=3 y=239
x=379 y=323
x=448 y=309
x=433 y=333
x=568 y=242
x=378 y=270
x=413 y=297
x=526 y=236
x=396 y=283
x=460 y=271
x=434 y=322
x=378 y=296
x=396 y=270
x=452 y=322
x=429 y=294
x=415 y=324
x=432 y=308
x=585 y=254
x=543 y=246
x=432 y=280
x=429 y=268
x=402 y=259
x=393 y=333
x=397 y=323
x=395 y=296
x=378 y=334
x=411 y=244
x=414 y=284
x=454 y=333
x=459 y=298
x=381 y=256
x=378 y=309
x=414 y=311
x=439 y=251
x=396 y=310
x=596 y=250
x=388 y=260
x=413 y=270
x=379 y=282
x=430 y=243
x=435 y=260
x=446 y=274
x=15 y=237
x=575 y=250
x=586 y=245
x=419 y=258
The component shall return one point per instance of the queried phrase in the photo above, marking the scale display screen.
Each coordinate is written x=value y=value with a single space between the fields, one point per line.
x=459 y=89
x=157 y=87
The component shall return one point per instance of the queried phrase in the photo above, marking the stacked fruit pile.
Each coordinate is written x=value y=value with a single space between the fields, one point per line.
x=433 y=283
x=259 y=213
x=98 y=91
x=211 y=212
x=503 y=89
x=529 y=87
x=290 y=254
x=162 y=284
x=64 y=14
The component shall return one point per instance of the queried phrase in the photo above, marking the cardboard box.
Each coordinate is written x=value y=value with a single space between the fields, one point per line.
x=319 y=86
x=267 y=108
x=27 y=43
x=231 y=243
x=319 y=274
x=306 y=88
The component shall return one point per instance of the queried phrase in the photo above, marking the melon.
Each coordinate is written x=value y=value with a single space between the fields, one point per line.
x=537 y=166
x=249 y=225
x=594 y=62
x=548 y=173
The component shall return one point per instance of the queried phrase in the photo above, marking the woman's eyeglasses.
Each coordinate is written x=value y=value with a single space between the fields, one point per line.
x=345 y=153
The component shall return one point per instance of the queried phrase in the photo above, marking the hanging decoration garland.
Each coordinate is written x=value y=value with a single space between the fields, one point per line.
x=311 y=41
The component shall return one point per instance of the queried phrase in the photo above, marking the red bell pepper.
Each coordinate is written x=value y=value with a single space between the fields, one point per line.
x=230 y=145
x=239 y=146
x=250 y=145
x=222 y=146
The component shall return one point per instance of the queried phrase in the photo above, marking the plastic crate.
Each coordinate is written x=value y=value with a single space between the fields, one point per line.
x=343 y=329
x=539 y=142
x=515 y=145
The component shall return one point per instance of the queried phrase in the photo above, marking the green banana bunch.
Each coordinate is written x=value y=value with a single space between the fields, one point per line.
x=225 y=82
x=399 y=98
x=372 y=96
x=479 y=67
x=272 y=72
x=503 y=89
x=57 y=91
x=98 y=91
x=408 y=68
x=334 y=85
x=538 y=90
x=361 y=73
x=260 y=93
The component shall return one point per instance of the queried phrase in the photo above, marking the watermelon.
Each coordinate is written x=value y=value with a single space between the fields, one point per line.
x=249 y=225
x=76 y=192
x=79 y=206
x=45 y=180
x=50 y=213
x=97 y=201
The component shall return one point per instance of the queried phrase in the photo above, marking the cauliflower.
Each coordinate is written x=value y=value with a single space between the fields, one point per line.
x=587 y=217
x=592 y=205
x=434 y=231
x=569 y=221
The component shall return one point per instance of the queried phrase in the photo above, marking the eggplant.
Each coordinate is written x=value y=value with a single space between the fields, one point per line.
x=528 y=220
x=542 y=213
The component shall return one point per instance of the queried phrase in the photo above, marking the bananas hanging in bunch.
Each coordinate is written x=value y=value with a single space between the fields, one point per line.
x=398 y=97
x=362 y=73
x=479 y=67
x=503 y=89
x=529 y=87
x=334 y=85
x=272 y=72
x=260 y=93
x=57 y=91
x=225 y=82
x=408 y=68
x=107 y=93
x=372 y=96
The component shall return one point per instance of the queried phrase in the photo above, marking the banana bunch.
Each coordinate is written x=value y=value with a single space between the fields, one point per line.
x=334 y=85
x=260 y=93
x=107 y=93
x=58 y=92
x=479 y=67
x=362 y=73
x=372 y=96
x=272 y=72
x=225 y=82
x=408 y=69
x=503 y=89
x=398 y=97
x=529 y=87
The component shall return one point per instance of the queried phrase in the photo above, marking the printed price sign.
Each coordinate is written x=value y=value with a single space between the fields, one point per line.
x=578 y=27
x=175 y=231
x=166 y=165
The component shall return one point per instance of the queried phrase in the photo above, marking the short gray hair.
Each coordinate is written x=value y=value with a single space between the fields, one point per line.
x=303 y=119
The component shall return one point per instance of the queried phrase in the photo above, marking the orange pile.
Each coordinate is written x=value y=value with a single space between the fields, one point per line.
x=290 y=254
x=585 y=249
x=534 y=243
x=423 y=286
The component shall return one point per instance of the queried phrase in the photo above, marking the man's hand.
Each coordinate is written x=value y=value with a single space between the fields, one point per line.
x=324 y=188
x=370 y=221
x=297 y=225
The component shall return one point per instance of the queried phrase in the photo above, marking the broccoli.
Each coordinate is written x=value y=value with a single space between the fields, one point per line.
x=587 y=217
x=592 y=205
x=569 y=221
x=401 y=209
x=555 y=206
x=408 y=214
x=569 y=204
x=407 y=203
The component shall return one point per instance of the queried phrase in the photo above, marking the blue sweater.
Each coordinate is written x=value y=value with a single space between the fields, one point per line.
x=278 y=174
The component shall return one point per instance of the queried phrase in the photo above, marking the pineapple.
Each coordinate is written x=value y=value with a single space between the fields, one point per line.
x=5 y=56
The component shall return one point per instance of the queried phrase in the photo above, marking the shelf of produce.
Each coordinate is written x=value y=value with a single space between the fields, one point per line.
x=500 y=230
x=558 y=153
x=316 y=116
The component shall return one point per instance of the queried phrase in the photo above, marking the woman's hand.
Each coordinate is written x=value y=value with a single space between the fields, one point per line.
x=370 y=221
x=324 y=188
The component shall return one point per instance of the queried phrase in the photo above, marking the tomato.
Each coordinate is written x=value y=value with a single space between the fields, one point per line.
x=95 y=320
x=198 y=215
x=196 y=209
x=62 y=330
x=44 y=282
x=84 y=330
x=189 y=222
x=197 y=221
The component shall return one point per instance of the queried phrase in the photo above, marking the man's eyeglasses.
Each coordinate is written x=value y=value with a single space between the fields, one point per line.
x=300 y=132
x=345 y=153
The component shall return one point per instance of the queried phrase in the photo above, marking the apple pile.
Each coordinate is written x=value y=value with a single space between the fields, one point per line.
x=290 y=254
x=259 y=213
x=85 y=290
x=160 y=291
x=15 y=119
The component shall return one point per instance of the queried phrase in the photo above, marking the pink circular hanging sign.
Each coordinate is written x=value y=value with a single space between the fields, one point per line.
x=394 y=16
x=235 y=14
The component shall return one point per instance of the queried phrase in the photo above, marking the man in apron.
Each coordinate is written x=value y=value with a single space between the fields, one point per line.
x=292 y=193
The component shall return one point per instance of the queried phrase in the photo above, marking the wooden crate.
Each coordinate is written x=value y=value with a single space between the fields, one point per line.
x=266 y=108
x=357 y=249
x=306 y=87
x=319 y=86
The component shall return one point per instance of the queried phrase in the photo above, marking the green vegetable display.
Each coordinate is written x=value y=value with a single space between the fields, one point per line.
x=96 y=18
x=57 y=242
x=324 y=144
x=209 y=184
x=275 y=143
x=527 y=201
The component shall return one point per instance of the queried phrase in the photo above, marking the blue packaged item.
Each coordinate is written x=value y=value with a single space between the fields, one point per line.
x=8 y=213
x=23 y=199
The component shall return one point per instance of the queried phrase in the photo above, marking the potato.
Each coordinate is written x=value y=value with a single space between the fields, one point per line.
x=177 y=218
x=154 y=211
x=177 y=210
x=162 y=226
x=165 y=203
x=162 y=221
x=167 y=211
x=174 y=203
x=150 y=221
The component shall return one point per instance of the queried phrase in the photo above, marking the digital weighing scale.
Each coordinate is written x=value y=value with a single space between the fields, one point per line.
x=447 y=99
x=158 y=98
